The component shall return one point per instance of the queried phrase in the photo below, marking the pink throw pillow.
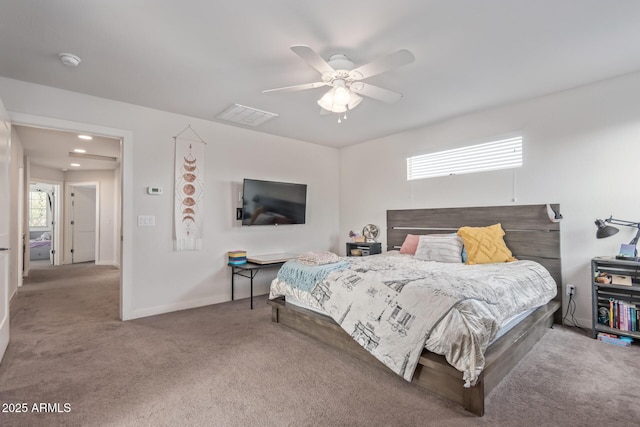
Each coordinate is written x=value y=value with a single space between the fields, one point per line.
x=410 y=244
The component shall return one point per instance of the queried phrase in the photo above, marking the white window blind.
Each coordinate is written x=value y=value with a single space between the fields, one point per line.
x=502 y=154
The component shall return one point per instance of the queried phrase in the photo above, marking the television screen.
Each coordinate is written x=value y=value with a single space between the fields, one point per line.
x=273 y=203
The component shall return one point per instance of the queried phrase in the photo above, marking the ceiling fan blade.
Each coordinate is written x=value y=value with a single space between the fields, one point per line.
x=396 y=59
x=324 y=112
x=376 y=92
x=296 y=87
x=312 y=58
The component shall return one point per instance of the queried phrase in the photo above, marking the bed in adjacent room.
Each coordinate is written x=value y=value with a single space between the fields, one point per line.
x=39 y=245
x=455 y=328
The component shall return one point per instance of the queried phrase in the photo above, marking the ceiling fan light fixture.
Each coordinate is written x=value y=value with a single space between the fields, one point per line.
x=345 y=80
x=326 y=101
x=341 y=94
x=339 y=98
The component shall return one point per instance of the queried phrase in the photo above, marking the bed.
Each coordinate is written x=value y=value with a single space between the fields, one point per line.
x=529 y=234
x=39 y=245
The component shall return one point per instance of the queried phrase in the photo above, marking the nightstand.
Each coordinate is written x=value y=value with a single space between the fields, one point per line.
x=365 y=248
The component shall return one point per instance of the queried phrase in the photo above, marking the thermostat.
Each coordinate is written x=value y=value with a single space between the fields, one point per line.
x=154 y=190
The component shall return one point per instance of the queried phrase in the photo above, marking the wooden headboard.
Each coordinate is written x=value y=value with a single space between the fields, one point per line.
x=528 y=231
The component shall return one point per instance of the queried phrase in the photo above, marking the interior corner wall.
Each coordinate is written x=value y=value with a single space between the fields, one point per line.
x=581 y=149
x=162 y=279
x=47 y=174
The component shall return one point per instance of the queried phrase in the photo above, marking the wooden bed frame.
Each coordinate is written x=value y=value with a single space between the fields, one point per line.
x=529 y=234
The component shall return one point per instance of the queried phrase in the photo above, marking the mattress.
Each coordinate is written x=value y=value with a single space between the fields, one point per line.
x=464 y=308
x=505 y=327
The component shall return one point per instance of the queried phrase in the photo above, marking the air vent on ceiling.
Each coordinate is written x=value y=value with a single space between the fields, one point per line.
x=246 y=115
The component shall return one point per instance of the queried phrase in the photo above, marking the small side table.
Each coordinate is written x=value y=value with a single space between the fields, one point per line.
x=249 y=270
x=367 y=248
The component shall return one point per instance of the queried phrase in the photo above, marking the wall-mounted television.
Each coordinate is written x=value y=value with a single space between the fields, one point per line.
x=273 y=203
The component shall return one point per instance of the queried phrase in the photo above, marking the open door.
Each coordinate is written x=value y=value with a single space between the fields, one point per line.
x=51 y=206
x=5 y=139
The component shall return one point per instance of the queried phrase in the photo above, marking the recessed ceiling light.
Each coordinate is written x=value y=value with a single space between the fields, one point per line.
x=85 y=137
x=75 y=165
x=79 y=150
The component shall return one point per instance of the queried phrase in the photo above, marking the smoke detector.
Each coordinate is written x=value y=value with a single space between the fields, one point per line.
x=69 y=59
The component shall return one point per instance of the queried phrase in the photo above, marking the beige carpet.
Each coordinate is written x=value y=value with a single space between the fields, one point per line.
x=226 y=365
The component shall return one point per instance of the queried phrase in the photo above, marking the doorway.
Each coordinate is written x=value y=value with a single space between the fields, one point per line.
x=43 y=231
x=118 y=211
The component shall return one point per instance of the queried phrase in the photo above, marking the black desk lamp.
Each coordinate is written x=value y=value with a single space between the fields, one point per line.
x=605 y=230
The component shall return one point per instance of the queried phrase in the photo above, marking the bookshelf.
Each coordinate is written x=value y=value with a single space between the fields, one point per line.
x=625 y=298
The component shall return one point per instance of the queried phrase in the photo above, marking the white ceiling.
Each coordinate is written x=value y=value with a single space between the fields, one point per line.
x=52 y=148
x=198 y=57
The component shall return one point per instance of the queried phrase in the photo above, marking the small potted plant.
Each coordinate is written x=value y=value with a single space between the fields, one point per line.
x=356 y=237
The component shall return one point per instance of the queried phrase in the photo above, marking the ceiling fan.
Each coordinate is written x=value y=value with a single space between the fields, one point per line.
x=345 y=79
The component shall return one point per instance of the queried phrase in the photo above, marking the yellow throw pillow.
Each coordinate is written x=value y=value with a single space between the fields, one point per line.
x=485 y=245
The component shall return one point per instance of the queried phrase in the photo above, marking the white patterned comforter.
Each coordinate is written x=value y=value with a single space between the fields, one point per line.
x=395 y=305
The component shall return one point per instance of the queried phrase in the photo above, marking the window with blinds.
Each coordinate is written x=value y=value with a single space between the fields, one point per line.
x=38 y=209
x=502 y=154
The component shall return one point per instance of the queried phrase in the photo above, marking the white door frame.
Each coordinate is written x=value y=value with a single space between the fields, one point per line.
x=126 y=192
x=22 y=238
x=57 y=220
x=5 y=206
x=69 y=216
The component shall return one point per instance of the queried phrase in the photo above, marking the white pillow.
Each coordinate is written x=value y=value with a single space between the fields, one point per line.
x=440 y=247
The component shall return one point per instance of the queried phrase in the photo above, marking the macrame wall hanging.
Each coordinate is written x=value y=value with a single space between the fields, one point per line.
x=189 y=190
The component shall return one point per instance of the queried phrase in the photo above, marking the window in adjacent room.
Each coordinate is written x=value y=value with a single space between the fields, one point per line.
x=501 y=154
x=38 y=209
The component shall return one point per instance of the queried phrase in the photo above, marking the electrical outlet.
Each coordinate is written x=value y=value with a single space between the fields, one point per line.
x=571 y=290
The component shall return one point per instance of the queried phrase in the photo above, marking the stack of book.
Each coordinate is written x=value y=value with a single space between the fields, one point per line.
x=237 y=257
x=621 y=341
x=623 y=315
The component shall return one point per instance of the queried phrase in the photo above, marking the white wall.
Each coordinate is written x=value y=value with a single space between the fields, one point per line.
x=162 y=280
x=44 y=174
x=15 y=240
x=581 y=149
x=108 y=194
